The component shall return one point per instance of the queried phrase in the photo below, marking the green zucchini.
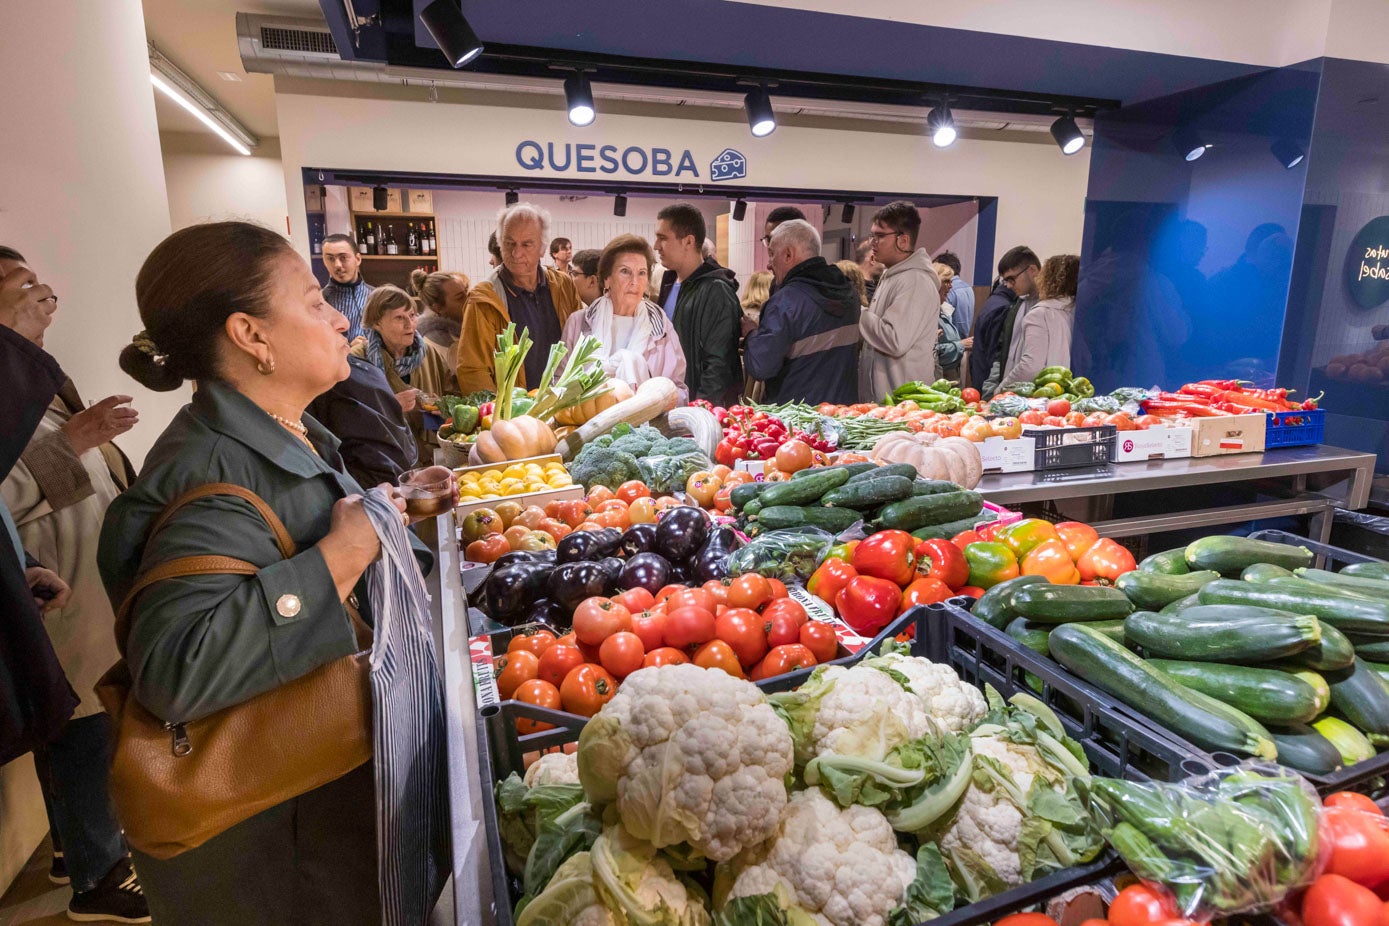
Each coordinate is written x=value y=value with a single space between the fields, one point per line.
x=1112 y=629
x=1381 y=668
x=1155 y=590
x=995 y=606
x=1351 y=615
x=834 y=520
x=1373 y=647
x=1303 y=749
x=1033 y=636
x=1230 y=555
x=1335 y=651
x=1168 y=563
x=1222 y=633
x=803 y=491
x=1319 y=685
x=951 y=528
x=1369 y=570
x=1267 y=695
x=1349 y=742
x=1167 y=703
x=868 y=494
x=1181 y=604
x=924 y=510
x=1359 y=695
x=1360 y=585
x=853 y=469
x=1059 y=604
x=1262 y=572
x=1299 y=584
x=906 y=470
x=933 y=486
x=747 y=491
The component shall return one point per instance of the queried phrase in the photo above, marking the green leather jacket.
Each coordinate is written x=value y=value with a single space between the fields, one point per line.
x=200 y=644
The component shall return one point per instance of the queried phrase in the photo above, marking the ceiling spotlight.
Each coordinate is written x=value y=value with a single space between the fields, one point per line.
x=449 y=27
x=941 y=126
x=740 y=210
x=512 y=197
x=1288 y=153
x=846 y=215
x=379 y=202
x=1067 y=134
x=579 y=96
x=620 y=204
x=1188 y=144
x=761 y=119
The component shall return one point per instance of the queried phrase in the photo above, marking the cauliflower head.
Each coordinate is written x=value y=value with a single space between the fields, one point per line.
x=955 y=705
x=689 y=755
x=841 y=867
x=859 y=711
x=553 y=768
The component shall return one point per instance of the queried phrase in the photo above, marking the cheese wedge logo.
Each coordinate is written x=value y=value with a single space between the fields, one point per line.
x=728 y=165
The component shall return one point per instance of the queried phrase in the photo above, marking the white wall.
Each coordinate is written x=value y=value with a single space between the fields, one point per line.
x=207 y=181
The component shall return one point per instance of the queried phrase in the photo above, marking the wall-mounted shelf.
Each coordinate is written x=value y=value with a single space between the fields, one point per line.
x=433 y=257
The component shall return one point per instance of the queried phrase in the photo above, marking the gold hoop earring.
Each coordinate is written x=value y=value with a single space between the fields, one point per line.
x=266 y=367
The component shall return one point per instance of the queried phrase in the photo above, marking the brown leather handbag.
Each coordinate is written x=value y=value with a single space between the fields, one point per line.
x=177 y=785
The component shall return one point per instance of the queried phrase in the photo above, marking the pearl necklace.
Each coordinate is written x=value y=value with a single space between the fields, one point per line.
x=295 y=426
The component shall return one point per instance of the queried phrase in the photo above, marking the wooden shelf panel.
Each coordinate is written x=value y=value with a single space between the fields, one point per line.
x=433 y=257
x=394 y=215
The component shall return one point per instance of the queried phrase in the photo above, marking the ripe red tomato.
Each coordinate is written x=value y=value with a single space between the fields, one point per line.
x=719 y=589
x=787 y=606
x=689 y=626
x=783 y=659
x=1334 y=900
x=622 y=653
x=1032 y=417
x=749 y=591
x=650 y=628
x=781 y=629
x=692 y=598
x=488 y=549
x=1359 y=845
x=556 y=662
x=513 y=669
x=723 y=500
x=633 y=489
x=596 y=619
x=1026 y=919
x=716 y=654
x=668 y=590
x=1353 y=799
x=1058 y=408
x=586 y=689
x=741 y=629
x=778 y=588
x=540 y=693
x=664 y=656
x=635 y=599
x=969 y=395
x=819 y=638
x=535 y=640
x=1141 y=905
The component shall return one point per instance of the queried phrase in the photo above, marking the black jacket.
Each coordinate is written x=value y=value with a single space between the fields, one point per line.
x=988 y=333
x=709 y=323
x=814 y=299
x=668 y=279
x=363 y=413
x=35 y=697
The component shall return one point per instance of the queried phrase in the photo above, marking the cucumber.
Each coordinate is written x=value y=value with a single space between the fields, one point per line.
x=1352 y=615
x=995 y=607
x=1359 y=695
x=1155 y=590
x=1349 y=742
x=1167 y=703
x=753 y=508
x=1059 y=604
x=924 y=510
x=1335 y=651
x=1373 y=647
x=1112 y=629
x=1267 y=695
x=1369 y=570
x=747 y=491
x=1168 y=562
x=951 y=528
x=1303 y=749
x=853 y=469
x=1319 y=685
x=1181 y=604
x=933 y=486
x=1033 y=636
x=907 y=470
x=1262 y=572
x=803 y=491
x=834 y=520
x=867 y=494
x=1230 y=555
x=1360 y=585
x=1222 y=633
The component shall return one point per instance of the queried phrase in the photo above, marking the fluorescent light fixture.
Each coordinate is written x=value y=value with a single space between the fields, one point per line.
x=579 y=96
x=761 y=119
x=1067 y=134
x=942 y=126
x=184 y=91
x=451 y=32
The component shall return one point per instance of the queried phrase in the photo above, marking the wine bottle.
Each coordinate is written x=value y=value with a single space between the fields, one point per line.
x=368 y=240
x=392 y=246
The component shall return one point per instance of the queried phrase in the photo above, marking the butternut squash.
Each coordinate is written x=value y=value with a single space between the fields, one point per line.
x=514 y=439
x=656 y=396
x=617 y=391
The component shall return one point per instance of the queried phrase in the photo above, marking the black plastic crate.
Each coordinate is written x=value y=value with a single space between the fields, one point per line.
x=1066 y=448
x=1328 y=557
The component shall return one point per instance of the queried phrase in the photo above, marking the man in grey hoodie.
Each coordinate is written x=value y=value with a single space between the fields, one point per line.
x=902 y=324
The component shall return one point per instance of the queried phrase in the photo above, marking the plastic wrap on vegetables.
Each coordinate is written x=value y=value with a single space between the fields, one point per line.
x=1236 y=840
x=790 y=555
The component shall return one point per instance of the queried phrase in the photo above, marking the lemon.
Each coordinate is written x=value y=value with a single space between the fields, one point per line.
x=514 y=471
x=489 y=496
x=556 y=482
x=468 y=478
x=469 y=492
x=516 y=489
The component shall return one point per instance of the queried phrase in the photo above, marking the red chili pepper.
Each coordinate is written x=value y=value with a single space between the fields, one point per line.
x=1201 y=390
x=1186 y=409
x=1311 y=404
x=1253 y=402
x=1185 y=397
x=1224 y=384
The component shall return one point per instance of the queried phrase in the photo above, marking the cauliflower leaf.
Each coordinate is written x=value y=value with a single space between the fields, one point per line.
x=931 y=893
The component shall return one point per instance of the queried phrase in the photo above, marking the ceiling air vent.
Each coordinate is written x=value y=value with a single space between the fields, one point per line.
x=268 y=43
x=275 y=38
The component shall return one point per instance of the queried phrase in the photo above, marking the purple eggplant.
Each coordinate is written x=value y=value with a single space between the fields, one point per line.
x=551 y=614
x=509 y=591
x=607 y=542
x=571 y=583
x=650 y=571
x=612 y=570
x=524 y=556
x=639 y=538
x=711 y=562
x=680 y=533
x=578 y=547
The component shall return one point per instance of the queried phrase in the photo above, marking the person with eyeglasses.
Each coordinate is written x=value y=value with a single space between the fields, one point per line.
x=1001 y=330
x=346 y=290
x=902 y=323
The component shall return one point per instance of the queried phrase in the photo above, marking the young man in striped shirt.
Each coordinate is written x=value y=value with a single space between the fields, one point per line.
x=346 y=291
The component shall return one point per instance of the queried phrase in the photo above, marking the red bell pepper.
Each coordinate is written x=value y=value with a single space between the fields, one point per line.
x=1105 y=562
x=990 y=563
x=941 y=559
x=925 y=590
x=887 y=555
x=989 y=531
x=965 y=538
x=832 y=576
x=1078 y=537
x=868 y=604
x=1051 y=560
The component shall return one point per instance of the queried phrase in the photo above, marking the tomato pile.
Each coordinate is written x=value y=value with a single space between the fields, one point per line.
x=872 y=581
x=749 y=627
x=751 y=434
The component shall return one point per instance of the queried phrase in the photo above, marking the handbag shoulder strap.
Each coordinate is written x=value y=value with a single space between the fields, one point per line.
x=277 y=527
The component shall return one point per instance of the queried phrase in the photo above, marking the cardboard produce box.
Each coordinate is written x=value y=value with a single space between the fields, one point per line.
x=1002 y=455
x=1213 y=437
x=1162 y=443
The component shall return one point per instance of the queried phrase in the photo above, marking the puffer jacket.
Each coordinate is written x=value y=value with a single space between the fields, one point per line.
x=805 y=345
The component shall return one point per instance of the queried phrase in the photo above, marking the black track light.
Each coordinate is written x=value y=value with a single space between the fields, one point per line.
x=740 y=210
x=579 y=95
x=449 y=27
x=379 y=201
x=846 y=215
x=620 y=204
x=1188 y=144
x=1288 y=152
x=941 y=124
x=512 y=197
x=1067 y=134
x=761 y=119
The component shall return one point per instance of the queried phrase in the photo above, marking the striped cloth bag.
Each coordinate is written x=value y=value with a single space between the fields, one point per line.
x=412 y=834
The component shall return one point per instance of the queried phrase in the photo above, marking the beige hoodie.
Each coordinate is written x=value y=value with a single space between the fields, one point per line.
x=900 y=328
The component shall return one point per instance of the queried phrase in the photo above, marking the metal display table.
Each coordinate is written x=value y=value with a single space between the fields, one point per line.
x=1299 y=481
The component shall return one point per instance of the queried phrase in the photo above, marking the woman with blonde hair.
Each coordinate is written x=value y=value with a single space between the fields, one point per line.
x=756 y=293
x=855 y=274
x=1046 y=328
x=443 y=294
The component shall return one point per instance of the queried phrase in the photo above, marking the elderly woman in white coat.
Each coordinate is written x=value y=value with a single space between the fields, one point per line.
x=637 y=340
x=1045 y=340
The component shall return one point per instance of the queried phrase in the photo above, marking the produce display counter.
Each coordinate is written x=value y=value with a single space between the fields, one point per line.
x=1304 y=481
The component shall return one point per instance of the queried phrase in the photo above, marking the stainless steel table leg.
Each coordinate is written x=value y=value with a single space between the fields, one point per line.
x=1319 y=525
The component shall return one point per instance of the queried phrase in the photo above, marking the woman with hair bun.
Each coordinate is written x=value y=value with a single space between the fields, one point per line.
x=443 y=294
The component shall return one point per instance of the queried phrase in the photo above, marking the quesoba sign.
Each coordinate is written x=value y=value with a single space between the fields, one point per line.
x=630 y=161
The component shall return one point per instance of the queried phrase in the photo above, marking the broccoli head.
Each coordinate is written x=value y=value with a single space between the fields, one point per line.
x=604 y=466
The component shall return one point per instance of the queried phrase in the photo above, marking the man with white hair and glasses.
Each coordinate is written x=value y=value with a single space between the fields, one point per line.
x=539 y=299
